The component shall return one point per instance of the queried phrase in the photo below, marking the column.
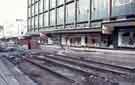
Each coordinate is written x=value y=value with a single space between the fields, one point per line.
x=63 y=40
x=68 y=42
x=50 y=41
x=83 y=41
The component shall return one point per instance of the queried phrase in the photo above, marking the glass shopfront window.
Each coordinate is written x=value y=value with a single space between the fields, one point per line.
x=83 y=10
x=46 y=19
x=52 y=17
x=41 y=6
x=123 y=7
x=60 y=15
x=126 y=39
x=59 y=2
x=70 y=13
x=52 y=3
x=41 y=20
x=46 y=5
x=100 y=9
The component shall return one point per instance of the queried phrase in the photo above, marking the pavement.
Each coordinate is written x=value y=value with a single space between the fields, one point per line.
x=11 y=75
x=123 y=58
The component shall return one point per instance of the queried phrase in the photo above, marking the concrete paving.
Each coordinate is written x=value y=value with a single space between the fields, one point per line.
x=11 y=75
x=123 y=58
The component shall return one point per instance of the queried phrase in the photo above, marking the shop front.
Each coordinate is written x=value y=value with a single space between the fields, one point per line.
x=126 y=37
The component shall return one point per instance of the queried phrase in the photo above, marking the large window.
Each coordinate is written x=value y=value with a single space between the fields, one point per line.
x=70 y=13
x=68 y=0
x=41 y=20
x=29 y=12
x=36 y=21
x=46 y=19
x=83 y=10
x=126 y=39
x=46 y=5
x=52 y=3
x=52 y=17
x=32 y=22
x=59 y=2
x=29 y=2
x=29 y=23
x=32 y=10
x=123 y=7
x=33 y=1
x=36 y=8
x=41 y=6
x=100 y=9
x=60 y=15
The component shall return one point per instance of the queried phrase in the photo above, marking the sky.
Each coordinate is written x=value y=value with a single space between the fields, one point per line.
x=12 y=9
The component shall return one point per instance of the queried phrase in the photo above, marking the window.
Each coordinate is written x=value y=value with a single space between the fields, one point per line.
x=36 y=8
x=32 y=23
x=29 y=2
x=59 y=2
x=32 y=10
x=29 y=23
x=100 y=9
x=68 y=0
x=41 y=20
x=41 y=6
x=123 y=7
x=70 y=13
x=29 y=12
x=36 y=22
x=60 y=15
x=52 y=17
x=46 y=5
x=83 y=10
x=46 y=19
x=121 y=2
x=52 y=3
x=33 y=1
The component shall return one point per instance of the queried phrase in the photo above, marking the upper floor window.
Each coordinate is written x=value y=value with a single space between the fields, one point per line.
x=36 y=8
x=83 y=10
x=100 y=9
x=46 y=19
x=52 y=3
x=70 y=13
x=52 y=17
x=41 y=6
x=46 y=4
x=122 y=2
x=60 y=15
x=59 y=2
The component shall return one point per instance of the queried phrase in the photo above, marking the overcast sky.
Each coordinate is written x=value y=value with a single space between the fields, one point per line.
x=12 y=9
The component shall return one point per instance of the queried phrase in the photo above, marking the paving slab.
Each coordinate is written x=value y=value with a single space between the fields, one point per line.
x=18 y=74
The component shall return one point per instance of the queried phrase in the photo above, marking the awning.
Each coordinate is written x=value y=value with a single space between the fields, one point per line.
x=109 y=26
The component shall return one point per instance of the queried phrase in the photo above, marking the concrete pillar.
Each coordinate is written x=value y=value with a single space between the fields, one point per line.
x=50 y=41
x=63 y=40
x=68 y=42
x=83 y=41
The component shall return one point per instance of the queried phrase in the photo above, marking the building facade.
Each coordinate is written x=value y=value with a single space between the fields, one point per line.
x=84 y=23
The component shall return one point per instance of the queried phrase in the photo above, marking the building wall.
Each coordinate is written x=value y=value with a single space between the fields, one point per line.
x=53 y=15
x=57 y=14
